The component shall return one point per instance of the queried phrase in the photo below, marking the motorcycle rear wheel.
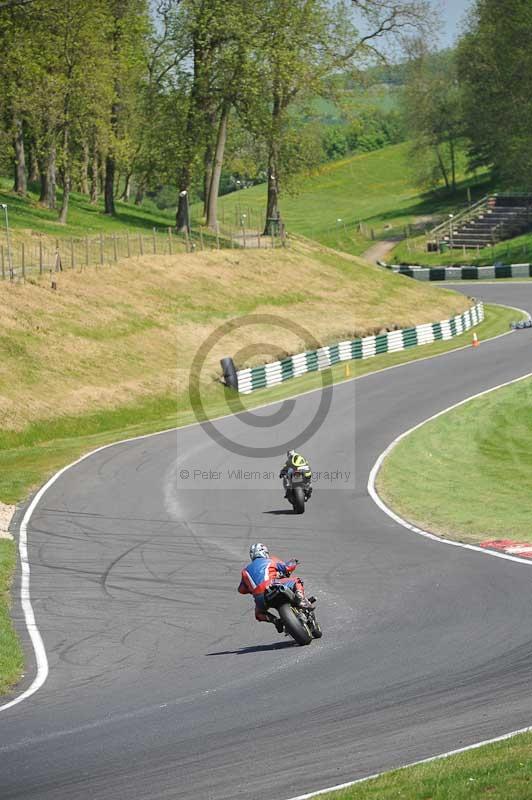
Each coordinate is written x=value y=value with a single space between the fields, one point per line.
x=294 y=626
x=299 y=499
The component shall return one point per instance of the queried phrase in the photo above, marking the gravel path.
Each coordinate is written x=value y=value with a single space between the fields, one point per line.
x=379 y=250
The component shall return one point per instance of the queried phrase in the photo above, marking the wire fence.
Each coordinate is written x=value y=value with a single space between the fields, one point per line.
x=33 y=254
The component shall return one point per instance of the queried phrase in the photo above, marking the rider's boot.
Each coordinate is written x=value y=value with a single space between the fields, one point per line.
x=276 y=621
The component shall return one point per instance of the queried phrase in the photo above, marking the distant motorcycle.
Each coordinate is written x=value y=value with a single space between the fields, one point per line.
x=300 y=623
x=298 y=489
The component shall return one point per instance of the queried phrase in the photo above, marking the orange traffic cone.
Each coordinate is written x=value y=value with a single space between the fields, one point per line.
x=475 y=342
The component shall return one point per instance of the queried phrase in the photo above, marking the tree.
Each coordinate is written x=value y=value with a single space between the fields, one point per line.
x=494 y=66
x=433 y=114
x=127 y=51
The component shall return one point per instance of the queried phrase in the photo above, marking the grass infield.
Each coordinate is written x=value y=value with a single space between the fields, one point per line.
x=499 y=771
x=480 y=456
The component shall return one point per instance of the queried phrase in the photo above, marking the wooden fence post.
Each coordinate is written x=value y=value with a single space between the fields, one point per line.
x=3 y=262
x=101 y=249
x=115 y=252
x=72 y=258
x=201 y=238
x=128 y=245
x=40 y=254
x=170 y=241
x=23 y=258
x=141 y=250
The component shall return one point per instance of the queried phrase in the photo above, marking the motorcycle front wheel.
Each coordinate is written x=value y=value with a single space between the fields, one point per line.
x=293 y=625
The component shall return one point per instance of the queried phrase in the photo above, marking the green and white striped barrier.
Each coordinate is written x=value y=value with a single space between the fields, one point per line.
x=463 y=273
x=277 y=372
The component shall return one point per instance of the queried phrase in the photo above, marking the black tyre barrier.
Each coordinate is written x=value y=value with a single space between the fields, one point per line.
x=229 y=371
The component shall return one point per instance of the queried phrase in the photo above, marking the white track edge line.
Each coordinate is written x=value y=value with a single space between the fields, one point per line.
x=29 y=615
x=428 y=760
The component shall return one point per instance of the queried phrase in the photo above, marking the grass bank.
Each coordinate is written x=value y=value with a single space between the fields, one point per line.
x=127 y=334
x=477 y=466
x=499 y=771
x=513 y=251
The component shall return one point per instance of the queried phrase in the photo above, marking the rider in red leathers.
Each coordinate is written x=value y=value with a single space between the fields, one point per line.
x=261 y=572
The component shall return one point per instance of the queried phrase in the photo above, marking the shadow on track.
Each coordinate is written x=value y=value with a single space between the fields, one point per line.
x=279 y=511
x=257 y=648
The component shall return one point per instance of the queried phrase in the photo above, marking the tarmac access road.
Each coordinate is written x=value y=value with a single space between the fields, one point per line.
x=161 y=685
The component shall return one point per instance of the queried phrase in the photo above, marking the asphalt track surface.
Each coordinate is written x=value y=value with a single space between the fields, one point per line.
x=161 y=685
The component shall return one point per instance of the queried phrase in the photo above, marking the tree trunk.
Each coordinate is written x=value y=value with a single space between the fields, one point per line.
x=50 y=181
x=43 y=174
x=182 y=220
x=139 y=194
x=95 y=169
x=109 y=199
x=272 y=205
x=84 y=178
x=33 y=166
x=208 y=159
x=453 y=164
x=442 y=168
x=65 y=176
x=214 y=187
x=126 y=194
x=20 y=185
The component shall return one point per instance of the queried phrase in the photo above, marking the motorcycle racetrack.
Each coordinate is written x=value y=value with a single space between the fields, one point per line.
x=161 y=684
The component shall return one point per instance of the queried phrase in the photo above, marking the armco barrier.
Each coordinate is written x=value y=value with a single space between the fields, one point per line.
x=314 y=360
x=464 y=273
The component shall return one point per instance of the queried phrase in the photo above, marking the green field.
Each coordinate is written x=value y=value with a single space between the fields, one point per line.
x=482 y=455
x=346 y=200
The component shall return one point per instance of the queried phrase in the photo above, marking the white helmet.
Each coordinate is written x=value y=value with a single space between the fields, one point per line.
x=290 y=453
x=258 y=550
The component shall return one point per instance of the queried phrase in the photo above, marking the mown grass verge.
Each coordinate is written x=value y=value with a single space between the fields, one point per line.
x=476 y=463
x=499 y=771
x=11 y=658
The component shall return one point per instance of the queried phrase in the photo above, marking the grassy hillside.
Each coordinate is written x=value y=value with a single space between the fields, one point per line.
x=346 y=199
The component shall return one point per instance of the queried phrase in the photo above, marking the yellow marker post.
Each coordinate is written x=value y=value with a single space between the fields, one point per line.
x=347 y=370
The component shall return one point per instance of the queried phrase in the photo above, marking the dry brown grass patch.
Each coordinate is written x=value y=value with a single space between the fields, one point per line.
x=117 y=334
